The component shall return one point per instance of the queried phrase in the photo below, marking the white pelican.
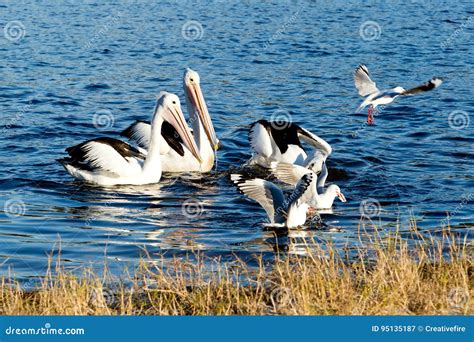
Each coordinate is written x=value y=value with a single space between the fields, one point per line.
x=290 y=212
x=280 y=142
x=318 y=197
x=176 y=156
x=108 y=161
x=375 y=97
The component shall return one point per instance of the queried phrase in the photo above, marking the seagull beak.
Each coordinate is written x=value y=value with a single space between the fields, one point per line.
x=176 y=118
x=197 y=100
x=341 y=196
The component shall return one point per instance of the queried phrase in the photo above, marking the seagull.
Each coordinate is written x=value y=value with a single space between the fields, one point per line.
x=291 y=174
x=278 y=141
x=318 y=197
x=374 y=96
x=107 y=161
x=176 y=157
x=289 y=212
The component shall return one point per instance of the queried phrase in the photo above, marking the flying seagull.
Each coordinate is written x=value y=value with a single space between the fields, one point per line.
x=374 y=96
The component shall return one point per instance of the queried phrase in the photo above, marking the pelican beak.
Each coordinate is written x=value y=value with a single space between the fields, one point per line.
x=341 y=196
x=197 y=100
x=176 y=118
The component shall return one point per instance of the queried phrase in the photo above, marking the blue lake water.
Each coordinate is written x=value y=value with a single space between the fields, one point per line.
x=63 y=65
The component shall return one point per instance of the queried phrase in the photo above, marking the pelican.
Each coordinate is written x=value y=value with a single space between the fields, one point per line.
x=375 y=97
x=108 y=161
x=280 y=142
x=318 y=196
x=281 y=212
x=176 y=156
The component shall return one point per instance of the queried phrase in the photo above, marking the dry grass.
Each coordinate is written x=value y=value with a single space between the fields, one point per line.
x=397 y=280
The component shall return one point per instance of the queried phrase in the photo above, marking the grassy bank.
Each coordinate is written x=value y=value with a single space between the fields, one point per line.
x=396 y=279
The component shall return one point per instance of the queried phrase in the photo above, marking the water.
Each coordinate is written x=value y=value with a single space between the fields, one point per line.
x=256 y=60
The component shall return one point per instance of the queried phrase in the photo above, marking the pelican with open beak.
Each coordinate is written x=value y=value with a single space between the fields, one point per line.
x=176 y=156
x=108 y=161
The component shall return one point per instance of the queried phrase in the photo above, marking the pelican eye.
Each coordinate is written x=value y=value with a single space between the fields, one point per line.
x=174 y=102
x=192 y=80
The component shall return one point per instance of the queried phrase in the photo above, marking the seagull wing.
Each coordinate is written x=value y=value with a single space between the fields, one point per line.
x=267 y=194
x=288 y=173
x=362 y=81
x=427 y=86
x=305 y=189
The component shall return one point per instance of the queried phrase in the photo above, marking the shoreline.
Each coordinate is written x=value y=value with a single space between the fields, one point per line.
x=400 y=280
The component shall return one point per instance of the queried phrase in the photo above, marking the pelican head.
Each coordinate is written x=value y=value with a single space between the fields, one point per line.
x=192 y=89
x=168 y=108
